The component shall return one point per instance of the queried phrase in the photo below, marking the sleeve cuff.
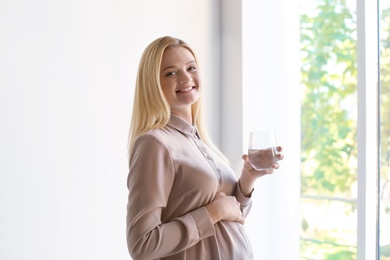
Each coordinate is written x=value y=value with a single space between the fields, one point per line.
x=241 y=197
x=203 y=222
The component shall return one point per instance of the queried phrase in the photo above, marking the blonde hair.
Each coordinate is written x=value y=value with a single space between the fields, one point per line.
x=151 y=109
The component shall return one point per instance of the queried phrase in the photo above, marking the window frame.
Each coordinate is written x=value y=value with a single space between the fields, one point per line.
x=368 y=129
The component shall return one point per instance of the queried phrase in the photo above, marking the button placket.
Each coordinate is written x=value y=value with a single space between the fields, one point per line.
x=203 y=149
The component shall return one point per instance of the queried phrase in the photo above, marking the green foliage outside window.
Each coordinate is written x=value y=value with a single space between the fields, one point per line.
x=328 y=48
x=329 y=120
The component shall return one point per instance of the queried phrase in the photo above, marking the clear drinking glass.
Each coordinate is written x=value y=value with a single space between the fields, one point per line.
x=262 y=149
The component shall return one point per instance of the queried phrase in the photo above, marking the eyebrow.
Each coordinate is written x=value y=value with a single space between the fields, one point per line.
x=171 y=67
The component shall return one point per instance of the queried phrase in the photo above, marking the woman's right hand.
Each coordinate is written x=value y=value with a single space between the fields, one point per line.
x=226 y=208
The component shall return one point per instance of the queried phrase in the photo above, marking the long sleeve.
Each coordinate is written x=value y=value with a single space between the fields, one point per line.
x=150 y=180
x=246 y=203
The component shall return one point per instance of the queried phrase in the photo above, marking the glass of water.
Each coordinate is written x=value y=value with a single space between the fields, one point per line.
x=262 y=150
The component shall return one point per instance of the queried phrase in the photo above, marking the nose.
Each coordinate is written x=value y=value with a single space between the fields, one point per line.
x=185 y=78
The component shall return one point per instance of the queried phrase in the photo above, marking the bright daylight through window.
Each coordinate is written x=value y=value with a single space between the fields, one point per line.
x=329 y=155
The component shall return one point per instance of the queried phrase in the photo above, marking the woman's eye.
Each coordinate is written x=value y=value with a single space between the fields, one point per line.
x=192 y=68
x=171 y=73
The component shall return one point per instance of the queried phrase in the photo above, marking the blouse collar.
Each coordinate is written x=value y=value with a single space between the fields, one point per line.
x=182 y=125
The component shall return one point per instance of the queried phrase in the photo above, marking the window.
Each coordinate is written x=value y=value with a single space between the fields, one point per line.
x=323 y=202
x=384 y=184
x=329 y=129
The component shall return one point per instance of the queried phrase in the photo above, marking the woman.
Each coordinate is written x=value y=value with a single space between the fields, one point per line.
x=184 y=200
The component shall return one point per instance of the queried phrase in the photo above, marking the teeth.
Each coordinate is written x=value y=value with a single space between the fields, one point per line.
x=185 y=90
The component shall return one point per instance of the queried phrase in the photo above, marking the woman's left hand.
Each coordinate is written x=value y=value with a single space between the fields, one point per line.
x=249 y=168
x=249 y=175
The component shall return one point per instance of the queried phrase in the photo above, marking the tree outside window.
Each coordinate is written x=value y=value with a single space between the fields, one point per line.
x=329 y=124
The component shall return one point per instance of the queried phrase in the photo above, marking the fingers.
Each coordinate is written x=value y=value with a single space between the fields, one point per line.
x=280 y=156
x=232 y=208
x=241 y=220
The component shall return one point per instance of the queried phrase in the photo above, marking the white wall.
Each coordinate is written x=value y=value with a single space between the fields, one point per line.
x=67 y=73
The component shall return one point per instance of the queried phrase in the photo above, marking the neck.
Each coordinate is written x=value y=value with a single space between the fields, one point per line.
x=186 y=117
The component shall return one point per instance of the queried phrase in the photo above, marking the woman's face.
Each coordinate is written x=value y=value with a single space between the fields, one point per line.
x=180 y=80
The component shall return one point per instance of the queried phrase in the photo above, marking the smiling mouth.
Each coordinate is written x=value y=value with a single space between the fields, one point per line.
x=185 y=90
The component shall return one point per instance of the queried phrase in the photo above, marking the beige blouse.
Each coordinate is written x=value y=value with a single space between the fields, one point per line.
x=173 y=175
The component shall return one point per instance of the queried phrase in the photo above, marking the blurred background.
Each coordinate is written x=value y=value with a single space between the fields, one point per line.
x=307 y=69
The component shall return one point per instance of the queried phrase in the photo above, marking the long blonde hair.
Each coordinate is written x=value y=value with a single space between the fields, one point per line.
x=151 y=109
